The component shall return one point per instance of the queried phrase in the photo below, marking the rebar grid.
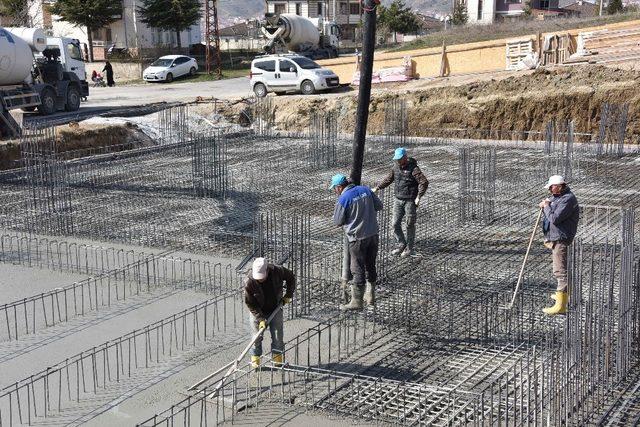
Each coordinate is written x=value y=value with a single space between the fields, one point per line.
x=515 y=367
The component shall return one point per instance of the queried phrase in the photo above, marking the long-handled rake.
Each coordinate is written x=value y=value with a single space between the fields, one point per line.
x=524 y=263
x=233 y=365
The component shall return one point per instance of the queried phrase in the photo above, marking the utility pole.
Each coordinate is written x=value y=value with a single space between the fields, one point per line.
x=212 y=31
x=364 y=93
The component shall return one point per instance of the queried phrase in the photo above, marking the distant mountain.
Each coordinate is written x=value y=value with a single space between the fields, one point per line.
x=230 y=10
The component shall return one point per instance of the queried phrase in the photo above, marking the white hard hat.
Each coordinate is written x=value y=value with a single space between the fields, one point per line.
x=259 y=269
x=555 y=180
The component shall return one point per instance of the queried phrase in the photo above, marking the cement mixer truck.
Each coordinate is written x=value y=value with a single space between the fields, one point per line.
x=38 y=72
x=314 y=38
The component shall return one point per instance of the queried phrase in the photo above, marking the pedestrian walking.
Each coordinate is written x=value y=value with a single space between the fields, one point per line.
x=560 y=225
x=410 y=186
x=263 y=294
x=108 y=70
x=356 y=212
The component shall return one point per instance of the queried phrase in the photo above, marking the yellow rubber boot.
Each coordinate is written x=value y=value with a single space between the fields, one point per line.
x=560 y=307
x=255 y=361
x=278 y=359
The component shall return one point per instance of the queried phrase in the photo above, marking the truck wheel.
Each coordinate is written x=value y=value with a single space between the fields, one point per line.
x=47 y=102
x=307 y=88
x=73 y=99
x=169 y=78
x=260 y=90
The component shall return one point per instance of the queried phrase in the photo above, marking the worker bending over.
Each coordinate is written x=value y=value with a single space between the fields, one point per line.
x=560 y=224
x=411 y=184
x=356 y=212
x=263 y=294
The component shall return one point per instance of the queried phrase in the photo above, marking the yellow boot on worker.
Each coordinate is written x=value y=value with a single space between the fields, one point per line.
x=560 y=307
x=278 y=359
x=255 y=361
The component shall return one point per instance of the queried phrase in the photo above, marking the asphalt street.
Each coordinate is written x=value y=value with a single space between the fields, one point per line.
x=146 y=93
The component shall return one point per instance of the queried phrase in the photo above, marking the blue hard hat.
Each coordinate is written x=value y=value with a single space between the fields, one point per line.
x=399 y=153
x=337 y=179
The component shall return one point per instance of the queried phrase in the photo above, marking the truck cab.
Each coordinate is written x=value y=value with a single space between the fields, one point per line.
x=71 y=59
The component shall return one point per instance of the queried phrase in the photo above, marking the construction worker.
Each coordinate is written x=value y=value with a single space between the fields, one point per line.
x=560 y=224
x=411 y=184
x=356 y=212
x=262 y=295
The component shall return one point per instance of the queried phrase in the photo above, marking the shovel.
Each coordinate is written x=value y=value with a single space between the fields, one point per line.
x=524 y=263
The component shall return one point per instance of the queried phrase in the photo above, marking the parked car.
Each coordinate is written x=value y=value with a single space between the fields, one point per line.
x=167 y=68
x=285 y=73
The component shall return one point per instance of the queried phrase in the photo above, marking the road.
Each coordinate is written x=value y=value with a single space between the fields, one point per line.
x=146 y=93
x=104 y=99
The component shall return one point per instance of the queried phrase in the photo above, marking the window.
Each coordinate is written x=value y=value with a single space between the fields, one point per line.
x=280 y=8
x=74 y=52
x=344 y=8
x=319 y=9
x=354 y=8
x=266 y=66
x=479 y=10
x=287 y=66
x=544 y=4
x=298 y=8
x=181 y=60
x=306 y=63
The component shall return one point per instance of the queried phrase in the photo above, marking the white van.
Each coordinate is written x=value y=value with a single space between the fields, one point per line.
x=285 y=73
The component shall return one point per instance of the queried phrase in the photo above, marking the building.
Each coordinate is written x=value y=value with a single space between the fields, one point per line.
x=127 y=33
x=347 y=14
x=490 y=11
x=242 y=36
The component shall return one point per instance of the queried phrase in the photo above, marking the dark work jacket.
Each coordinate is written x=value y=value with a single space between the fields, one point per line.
x=561 y=218
x=260 y=303
x=409 y=180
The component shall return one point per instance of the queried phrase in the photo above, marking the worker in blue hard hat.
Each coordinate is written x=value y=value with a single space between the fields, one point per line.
x=356 y=212
x=410 y=186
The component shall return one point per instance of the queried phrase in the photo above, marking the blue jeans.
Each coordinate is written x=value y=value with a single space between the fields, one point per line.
x=400 y=208
x=277 y=338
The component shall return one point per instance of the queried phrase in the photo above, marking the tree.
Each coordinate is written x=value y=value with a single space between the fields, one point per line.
x=397 y=18
x=614 y=6
x=459 y=13
x=17 y=10
x=170 y=15
x=91 y=14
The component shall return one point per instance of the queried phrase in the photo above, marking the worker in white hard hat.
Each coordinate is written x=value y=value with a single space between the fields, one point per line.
x=263 y=293
x=560 y=224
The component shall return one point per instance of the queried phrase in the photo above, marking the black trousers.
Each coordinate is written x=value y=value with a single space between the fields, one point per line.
x=363 y=260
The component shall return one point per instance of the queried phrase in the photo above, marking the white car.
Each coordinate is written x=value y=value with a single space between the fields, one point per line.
x=167 y=68
x=284 y=73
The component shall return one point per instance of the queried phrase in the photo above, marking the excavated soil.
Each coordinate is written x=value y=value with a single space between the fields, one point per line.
x=81 y=136
x=521 y=103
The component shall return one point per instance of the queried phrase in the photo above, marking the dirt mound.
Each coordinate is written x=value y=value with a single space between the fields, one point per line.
x=521 y=103
x=84 y=137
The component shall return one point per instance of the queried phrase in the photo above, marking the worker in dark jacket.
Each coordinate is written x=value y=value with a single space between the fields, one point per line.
x=411 y=184
x=108 y=69
x=560 y=225
x=263 y=294
x=356 y=212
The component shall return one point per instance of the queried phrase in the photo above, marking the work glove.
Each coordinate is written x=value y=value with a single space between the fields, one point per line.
x=417 y=201
x=263 y=324
x=374 y=190
x=285 y=300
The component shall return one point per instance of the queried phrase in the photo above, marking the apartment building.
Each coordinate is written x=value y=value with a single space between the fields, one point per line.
x=127 y=32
